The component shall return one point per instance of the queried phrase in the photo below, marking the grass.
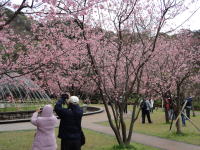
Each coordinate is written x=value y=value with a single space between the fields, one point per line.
x=98 y=141
x=94 y=141
x=12 y=107
x=160 y=128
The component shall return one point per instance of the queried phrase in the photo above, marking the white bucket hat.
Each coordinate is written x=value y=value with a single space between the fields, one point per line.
x=73 y=100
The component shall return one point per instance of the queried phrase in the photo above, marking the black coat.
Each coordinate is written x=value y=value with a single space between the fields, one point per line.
x=70 y=123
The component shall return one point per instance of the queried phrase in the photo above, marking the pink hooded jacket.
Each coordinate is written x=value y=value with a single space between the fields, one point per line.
x=45 y=136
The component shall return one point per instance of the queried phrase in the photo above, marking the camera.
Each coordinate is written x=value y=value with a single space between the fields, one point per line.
x=64 y=96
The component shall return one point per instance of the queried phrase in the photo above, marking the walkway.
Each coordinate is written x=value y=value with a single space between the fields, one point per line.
x=89 y=122
x=153 y=141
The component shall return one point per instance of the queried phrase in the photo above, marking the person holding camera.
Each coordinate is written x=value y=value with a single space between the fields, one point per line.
x=70 y=122
x=45 y=121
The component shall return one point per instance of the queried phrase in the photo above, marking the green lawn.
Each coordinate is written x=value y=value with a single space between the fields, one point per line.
x=12 y=107
x=161 y=129
x=22 y=140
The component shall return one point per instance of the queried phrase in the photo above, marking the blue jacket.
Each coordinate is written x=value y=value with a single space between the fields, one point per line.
x=189 y=102
x=70 y=120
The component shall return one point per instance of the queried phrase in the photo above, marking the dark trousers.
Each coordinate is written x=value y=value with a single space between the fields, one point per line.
x=70 y=144
x=144 y=114
x=183 y=120
x=188 y=112
x=125 y=108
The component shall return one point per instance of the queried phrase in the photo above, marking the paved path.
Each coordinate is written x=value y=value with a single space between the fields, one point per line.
x=153 y=141
x=89 y=122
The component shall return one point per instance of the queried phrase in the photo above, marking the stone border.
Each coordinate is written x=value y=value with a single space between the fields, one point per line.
x=93 y=110
x=90 y=111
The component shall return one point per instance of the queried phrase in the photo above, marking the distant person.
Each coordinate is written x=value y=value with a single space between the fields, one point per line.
x=53 y=96
x=87 y=101
x=45 y=121
x=122 y=101
x=10 y=99
x=151 y=101
x=169 y=107
x=70 y=124
x=185 y=114
x=183 y=118
x=145 y=107
x=188 y=106
x=126 y=108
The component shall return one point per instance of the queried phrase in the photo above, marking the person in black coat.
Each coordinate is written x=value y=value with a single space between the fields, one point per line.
x=145 y=107
x=70 y=122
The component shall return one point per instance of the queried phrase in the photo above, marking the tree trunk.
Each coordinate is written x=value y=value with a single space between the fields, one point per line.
x=178 y=127
x=166 y=111
x=114 y=128
x=166 y=116
x=178 y=109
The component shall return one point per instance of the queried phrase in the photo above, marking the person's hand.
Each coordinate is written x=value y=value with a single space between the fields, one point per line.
x=38 y=110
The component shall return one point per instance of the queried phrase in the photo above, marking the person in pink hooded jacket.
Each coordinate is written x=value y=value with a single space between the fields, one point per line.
x=45 y=121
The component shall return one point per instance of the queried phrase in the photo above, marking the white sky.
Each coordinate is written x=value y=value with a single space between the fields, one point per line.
x=193 y=23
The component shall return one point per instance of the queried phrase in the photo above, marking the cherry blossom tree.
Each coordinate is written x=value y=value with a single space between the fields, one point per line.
x=118 y=61
x=9 y=13
x=174 y=64
x=108 y=42
x=18 y=9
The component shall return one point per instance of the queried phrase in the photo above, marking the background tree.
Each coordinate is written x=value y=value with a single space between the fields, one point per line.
x=111 y=51
x=118 y=62
x=172 y=67
x=7 y=16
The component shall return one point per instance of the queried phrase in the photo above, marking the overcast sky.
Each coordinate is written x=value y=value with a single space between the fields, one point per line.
x=192 y=22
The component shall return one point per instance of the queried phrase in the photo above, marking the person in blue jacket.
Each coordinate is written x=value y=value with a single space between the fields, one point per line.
x=188 y=106
x=186 y=110
x=70 y=122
